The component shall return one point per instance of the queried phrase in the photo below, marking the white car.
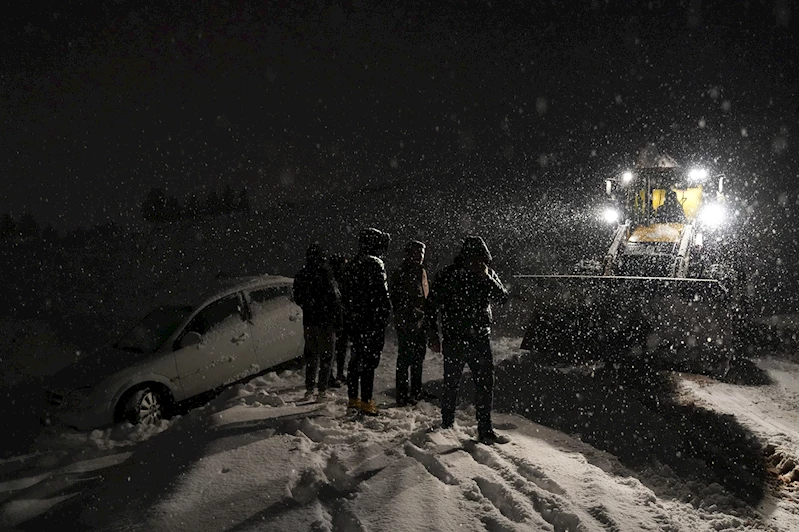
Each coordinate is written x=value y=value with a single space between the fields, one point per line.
x=241 y=327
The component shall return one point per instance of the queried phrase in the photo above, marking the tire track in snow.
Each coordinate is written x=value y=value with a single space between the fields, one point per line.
x=537 y=476
x=503 y=499
x=483 y=490
x=599 y=512
x=431 y=463
x=550 y=506
x=533 y=474
x=503 y=510
x=499 y=524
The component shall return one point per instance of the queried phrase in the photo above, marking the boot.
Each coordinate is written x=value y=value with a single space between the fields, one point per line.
x=370 y=408
x=490 y=438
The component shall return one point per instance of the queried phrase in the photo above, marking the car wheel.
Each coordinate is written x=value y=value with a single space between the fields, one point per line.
x=146 y=406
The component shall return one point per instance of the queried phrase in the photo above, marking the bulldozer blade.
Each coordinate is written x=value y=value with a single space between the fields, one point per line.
x=681 y=323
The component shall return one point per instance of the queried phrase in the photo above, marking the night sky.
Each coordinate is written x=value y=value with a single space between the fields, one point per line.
x=103 y=100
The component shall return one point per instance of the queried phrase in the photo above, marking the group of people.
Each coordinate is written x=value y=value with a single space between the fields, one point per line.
x=352 y=302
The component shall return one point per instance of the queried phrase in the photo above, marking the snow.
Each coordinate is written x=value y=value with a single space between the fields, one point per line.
x=252 y=369
x=256 y=457
x=772 y=413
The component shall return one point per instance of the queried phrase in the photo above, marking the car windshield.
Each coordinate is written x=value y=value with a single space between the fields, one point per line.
x=152 y=331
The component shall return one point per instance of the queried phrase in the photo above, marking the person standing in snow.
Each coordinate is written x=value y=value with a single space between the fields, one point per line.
x=461 y=295
x=317 y=293
x=338 y=263
x=368 y=311
x=409 y=289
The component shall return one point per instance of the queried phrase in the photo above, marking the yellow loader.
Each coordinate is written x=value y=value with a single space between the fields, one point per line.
x=663 y=292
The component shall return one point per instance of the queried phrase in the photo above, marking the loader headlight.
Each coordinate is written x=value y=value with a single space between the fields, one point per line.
x=713 y=215
x=698 y=175
x=626 y=177
x=610 y=215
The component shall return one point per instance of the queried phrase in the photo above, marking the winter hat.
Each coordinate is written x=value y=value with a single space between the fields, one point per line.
x=315 y=254
x=475 y=246
x=413 y=245
x=373 y=241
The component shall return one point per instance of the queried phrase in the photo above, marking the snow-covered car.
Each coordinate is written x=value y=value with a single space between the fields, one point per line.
x=241 y=327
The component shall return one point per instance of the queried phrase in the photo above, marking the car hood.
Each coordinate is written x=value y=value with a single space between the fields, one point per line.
x=95 y=367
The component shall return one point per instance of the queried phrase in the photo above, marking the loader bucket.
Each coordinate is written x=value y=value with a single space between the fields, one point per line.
x=677 y=323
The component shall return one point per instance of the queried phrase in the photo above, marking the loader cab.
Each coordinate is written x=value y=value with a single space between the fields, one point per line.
x=672 y=195
x=661 y=195
x=664 y=214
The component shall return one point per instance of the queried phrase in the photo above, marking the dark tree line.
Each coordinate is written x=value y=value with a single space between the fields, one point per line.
x=160 y=207
x=26 y=228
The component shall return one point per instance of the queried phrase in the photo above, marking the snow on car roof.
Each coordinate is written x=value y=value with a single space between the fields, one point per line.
x=244 y=282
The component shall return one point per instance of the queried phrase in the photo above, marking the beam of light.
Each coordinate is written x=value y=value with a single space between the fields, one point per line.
x=610 y=215
x=713 y=215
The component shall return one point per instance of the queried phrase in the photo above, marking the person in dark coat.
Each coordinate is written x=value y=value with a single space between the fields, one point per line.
x=409 y=289
x=671 y=210
x=461 y=296
x=338 y=263
x=317 y=293
x=368 y=311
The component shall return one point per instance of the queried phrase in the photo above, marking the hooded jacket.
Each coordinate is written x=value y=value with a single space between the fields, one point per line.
x=409 y=291
x=316 y=291
x=462 y=297
x=367 y=302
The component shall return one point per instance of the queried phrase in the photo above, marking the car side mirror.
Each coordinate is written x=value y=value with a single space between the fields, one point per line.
x=190 y=338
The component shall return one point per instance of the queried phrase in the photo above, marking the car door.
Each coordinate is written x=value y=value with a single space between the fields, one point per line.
x=276 y=325
x=224 y=355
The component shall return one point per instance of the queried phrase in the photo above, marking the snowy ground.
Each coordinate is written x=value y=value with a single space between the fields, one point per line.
x=772 y=413
x=601 y=457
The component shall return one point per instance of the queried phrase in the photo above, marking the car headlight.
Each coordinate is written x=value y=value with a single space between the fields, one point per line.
x=610 y=215
x=713 y=215
x=77 y=398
